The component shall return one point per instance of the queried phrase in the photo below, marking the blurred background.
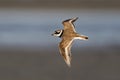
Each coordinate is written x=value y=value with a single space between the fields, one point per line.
x=29 y=52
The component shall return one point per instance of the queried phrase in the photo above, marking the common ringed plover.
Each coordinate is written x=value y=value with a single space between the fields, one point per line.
x=68 y=34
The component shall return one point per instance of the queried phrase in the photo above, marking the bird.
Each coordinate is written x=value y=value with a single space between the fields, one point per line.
x=68 y=34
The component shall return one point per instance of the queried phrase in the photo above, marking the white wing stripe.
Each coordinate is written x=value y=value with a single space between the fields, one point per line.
x=67 y=54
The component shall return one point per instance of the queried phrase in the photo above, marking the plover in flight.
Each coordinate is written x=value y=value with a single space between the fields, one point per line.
x=68 y=34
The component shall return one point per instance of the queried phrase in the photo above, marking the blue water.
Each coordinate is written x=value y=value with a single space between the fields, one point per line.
x=35 y=26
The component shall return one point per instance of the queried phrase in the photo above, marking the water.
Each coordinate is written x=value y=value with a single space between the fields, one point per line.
x=35 y=26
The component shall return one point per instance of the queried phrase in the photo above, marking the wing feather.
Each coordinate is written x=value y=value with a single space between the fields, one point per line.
x=64 y=47
x=68 y=24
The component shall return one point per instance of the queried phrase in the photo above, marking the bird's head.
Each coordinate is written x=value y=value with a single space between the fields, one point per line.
x=58 y=33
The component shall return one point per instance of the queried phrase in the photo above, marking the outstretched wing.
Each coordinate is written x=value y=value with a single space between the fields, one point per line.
x=64 y=47
x=68 y=24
